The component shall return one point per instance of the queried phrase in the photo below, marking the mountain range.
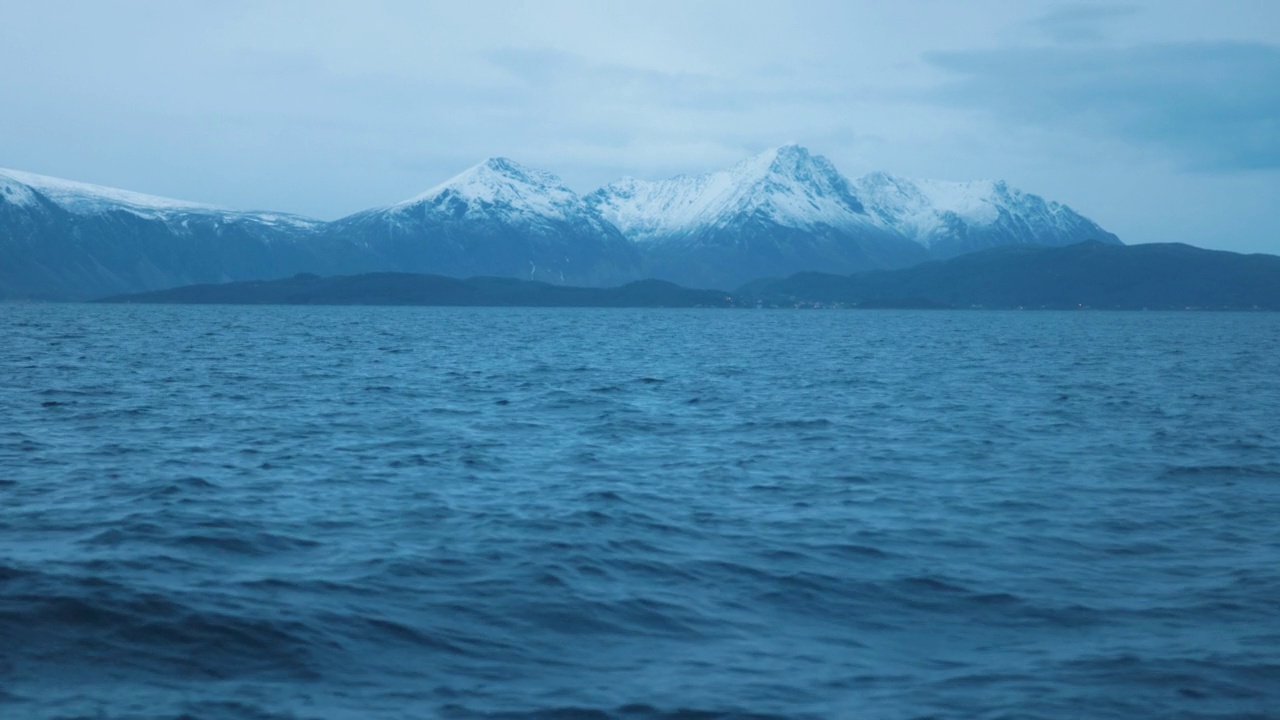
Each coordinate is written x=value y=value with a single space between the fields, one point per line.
x=1087 y=275
x=774 y=214
x=421 y=289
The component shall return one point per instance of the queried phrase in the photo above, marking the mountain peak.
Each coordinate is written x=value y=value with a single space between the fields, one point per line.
x=793 y=170
x=786 y=160
x=501 y=169
x=498 y=181
x=505 y=166
x=498 y=162
x=787 y=186
x=792 y=153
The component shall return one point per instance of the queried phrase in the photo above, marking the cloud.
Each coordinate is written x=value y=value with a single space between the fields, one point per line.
x=1210 y=105
x=599 y=119
x=1080 y=22
x=562 y=76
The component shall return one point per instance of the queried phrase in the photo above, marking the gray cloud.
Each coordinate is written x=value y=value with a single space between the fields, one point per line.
x=1080 y=22
x=326 y=107
x=1212 y=105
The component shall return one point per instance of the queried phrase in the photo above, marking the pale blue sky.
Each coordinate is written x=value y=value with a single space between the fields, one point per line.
x=1160 y=119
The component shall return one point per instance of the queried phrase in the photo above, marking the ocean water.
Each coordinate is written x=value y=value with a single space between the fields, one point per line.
x=386 y=513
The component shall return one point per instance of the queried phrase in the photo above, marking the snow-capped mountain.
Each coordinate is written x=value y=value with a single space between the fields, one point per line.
x=64 y=239
x=15 y=193
x=779 y=212
x=951 y=218
x=497 y=218
x=776 y=213
x=504 y=185
x=786 y=210
x=84 y=199
x=786 y=186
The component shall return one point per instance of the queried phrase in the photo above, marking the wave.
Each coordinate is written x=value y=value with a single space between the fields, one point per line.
x=625 y=712
x=87 y=625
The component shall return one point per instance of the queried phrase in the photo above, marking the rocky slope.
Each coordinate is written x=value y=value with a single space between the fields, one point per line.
x=497 y=218
x=65 y=240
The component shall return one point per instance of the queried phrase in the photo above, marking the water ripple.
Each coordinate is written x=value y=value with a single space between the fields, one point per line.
x=391 y=513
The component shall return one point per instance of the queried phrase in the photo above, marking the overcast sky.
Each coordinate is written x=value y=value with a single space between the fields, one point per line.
x=1159 y=119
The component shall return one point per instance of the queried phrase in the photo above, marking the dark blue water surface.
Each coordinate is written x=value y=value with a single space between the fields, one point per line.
x=369 y=513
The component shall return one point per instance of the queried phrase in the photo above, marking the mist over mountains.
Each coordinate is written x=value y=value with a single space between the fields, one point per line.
x=774 y=214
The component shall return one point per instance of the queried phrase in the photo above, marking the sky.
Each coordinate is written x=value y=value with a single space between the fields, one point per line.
x=1158 y=119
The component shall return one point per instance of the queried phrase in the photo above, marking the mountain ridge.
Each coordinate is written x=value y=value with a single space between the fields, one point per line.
x=499 y=218
x=83 y=198
x=787 y=210
x=786 y=177
x=431 y=290
x=1095 y=275
x=1089 y=275
x=777 y=212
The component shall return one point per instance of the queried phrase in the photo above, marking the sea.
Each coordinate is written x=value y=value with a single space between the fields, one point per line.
x=408 y=513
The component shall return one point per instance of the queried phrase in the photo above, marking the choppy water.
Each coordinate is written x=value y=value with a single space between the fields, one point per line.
x=491 y=513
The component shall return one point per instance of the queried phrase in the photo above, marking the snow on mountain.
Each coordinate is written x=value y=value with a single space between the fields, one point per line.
x=497 y=190
x=16 y=192
x=499 y=185
x=80 y=198
x=61 y=239
x=83 y=198
x=787 y=186
x=497 y=218
x=916 y=207
x=787 y=210
x=954 y=217
x=792 y=188
x=781 y=211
